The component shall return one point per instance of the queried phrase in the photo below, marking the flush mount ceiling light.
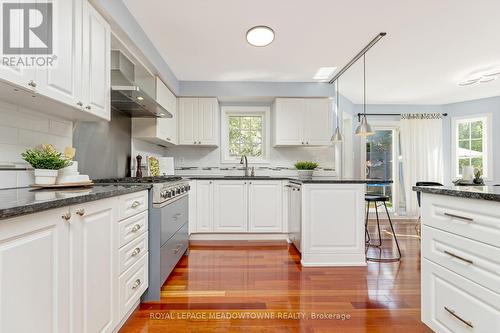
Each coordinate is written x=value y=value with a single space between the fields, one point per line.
x=260 y=35
x=324 y=73
x=481 y=77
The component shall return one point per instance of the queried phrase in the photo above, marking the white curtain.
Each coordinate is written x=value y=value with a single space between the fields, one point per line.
x=422 y=153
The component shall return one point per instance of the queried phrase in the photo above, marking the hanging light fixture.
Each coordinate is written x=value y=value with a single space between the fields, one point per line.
x=337 y=136
x=364 y=129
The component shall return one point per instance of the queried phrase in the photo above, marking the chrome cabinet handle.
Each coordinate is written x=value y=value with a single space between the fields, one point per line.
x=136 y=228
x=302 y=142
x=79 y=103
x=459 y=257
x=168 y=139
x=136 y=284
x=32 y=84
x=199 y=142
x=194 y=142
x=88 y=107
x=66 y=216
x=453 y=313
x=176 y=216
x=80 y=212
x=468 y=219
x=307 y=142
x=136 y=251
x=135 y=204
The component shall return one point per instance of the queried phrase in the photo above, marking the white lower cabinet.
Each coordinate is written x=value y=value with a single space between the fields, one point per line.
x=64 y=270
x=265 y=206
x=237 y=206
x=92 y=245
x=34 y=273
x=230 y=206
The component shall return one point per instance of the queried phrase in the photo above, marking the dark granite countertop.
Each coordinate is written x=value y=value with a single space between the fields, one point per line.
x=314 y=180
x=491 y=193
x=26 y=200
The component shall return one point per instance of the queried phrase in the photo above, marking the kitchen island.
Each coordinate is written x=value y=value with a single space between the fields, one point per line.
x=460 y=258
x=323 y=217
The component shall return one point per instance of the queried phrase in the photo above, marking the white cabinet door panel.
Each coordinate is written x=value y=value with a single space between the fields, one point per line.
x=204 y=206
x=34 y=273
x=289 y=122
x=96 y=63
x=95 y=257
x=207 y=121
x=63 y=80
x=265 y=206
x=318 y=121
x=188 y=126
x=230 y=206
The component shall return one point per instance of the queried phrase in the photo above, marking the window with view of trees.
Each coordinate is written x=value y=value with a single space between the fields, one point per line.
x=470 y=144
x=245 y=135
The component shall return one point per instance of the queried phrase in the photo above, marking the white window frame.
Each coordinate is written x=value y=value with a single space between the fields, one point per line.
x=487 y=143
x=265 y=113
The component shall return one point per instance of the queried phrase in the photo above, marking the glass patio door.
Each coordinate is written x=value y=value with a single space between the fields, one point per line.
x=380 y=157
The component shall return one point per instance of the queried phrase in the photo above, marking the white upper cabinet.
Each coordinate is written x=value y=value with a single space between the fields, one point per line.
x=198 y=121
x=265 y=206
x=302 y=122
x=159 y=130
x=63 y=81
x=230 y=206
x=79 y=77
x=96 y=93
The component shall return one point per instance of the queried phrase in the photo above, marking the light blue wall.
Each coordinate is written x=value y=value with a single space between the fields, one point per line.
x=481 y=106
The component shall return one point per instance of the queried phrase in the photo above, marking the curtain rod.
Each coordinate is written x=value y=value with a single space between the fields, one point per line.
x=387 y=114
x=357 y=56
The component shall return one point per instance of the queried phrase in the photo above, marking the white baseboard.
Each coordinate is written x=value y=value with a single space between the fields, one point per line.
x=238 y=236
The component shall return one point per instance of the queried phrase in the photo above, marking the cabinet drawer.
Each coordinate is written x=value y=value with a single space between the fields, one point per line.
x=173 y=250
x=476 y=261
x=132 y=228
x=451 y=303
x=132 y=285
x=132 y=252
x=132 y=204
x=173 y=216
x=475 y=219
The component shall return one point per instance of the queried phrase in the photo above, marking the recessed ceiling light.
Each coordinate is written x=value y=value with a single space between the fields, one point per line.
x=324 y=73
x=484 y=76
x=260 y=35
x=486 y=79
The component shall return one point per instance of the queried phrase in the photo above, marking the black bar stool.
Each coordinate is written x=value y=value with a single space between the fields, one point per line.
x=376 y=199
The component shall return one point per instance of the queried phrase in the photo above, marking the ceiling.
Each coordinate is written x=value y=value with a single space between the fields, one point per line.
x=429 y=47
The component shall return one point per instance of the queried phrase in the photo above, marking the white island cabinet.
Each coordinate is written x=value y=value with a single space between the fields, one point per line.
x=332 y=224
x=460 y=263
x=79 y=268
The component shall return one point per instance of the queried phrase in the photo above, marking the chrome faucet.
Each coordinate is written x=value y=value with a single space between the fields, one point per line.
x=245 y=160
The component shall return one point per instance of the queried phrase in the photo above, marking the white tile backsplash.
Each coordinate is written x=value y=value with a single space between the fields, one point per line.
x=22 y=128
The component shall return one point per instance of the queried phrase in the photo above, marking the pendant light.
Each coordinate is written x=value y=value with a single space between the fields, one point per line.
x=364 y=129
x=337 y=136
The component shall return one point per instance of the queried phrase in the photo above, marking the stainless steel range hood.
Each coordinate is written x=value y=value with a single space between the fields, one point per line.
x=127 y=96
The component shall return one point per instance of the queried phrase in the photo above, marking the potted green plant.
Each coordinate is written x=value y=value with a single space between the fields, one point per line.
x=305 y=169
x=46 y=161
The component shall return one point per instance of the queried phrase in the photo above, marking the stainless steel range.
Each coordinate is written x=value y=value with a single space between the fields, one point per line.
x=168 y=226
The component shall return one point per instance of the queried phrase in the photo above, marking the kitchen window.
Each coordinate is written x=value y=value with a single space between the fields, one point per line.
x=245 y=131
x=472 y=144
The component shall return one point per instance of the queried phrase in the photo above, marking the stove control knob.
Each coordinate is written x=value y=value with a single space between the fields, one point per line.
x=183 y=189
x=178 y=190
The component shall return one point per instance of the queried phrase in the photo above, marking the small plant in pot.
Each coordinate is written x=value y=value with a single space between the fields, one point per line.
x=46 y=161
x=305 y=169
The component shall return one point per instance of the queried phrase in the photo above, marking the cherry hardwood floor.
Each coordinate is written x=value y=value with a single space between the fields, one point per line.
x=261 y=287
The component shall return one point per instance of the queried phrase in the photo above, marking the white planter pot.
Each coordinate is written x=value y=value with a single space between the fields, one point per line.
x=305 y=174
x=45 y=177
